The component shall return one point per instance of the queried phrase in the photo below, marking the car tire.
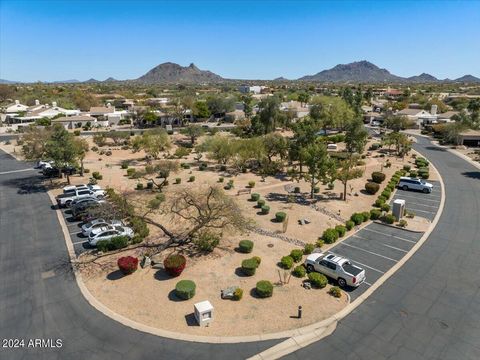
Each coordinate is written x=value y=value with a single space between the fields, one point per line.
x=404 y=187
x=310 y=268
x=68 y=203
x=425 y=191
x=341 y=282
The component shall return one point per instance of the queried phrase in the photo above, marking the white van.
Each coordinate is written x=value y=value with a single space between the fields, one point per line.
x=332 y=147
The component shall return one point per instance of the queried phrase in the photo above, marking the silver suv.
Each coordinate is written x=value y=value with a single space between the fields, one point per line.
x=407 y=183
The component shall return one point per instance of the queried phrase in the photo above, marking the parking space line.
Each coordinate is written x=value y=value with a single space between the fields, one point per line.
x=75 y=233
x=370 y=252
x=79 y=242
x=397 y=195
x=367 y=283
x=424 y=211
x=394 y=236
x=371 y=268
x=389 y=246
x=430 y=206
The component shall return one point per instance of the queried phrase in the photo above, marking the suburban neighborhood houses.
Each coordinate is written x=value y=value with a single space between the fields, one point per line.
x=307 y=188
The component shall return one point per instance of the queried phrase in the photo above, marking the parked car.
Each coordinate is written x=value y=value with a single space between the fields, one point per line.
x=65 y=200
x=98 y=224
x=81 y=209
x=52 y=171
x=99 y=192
x=337 y=268
x=408 y=183
x=41 y=164
x=109 y=233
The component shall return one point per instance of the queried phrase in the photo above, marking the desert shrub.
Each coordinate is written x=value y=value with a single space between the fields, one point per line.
x=202 y=167
x=341 y=230
x=185 y=166
x=220 y=179
x=372 y=188
x=249 y=266
x=245 y=246
x=258 y=259
x=286 y=262
x=185 y=289
x=108 y=152
x=357 y=218
x=317 y=280
x=174 y=264
x=386 y=194
x=280 y=216
x=320 y=242
x=130 y=172
x=254 y=197
x=260 y=203
x=385 y=207
x=139 y=227
x=421 y=162
x=178 y=180
x=407 y=167
x=375 y=214
x=389 y=219
x=76 y=132
x=124 y=164
x=118 y=242
x=379 y=202
x=299 y=271
x=251 y=184
x=308 y=249
x=402 y=223
x=86 y=171
x=264 y=289
x=329 y=236
x=349 y=224
x=139 y=186
x=103 y=245
x=149 y=185
x=265 y=209
x=223 y=168
x=296 y=190
x=296 y=254
x=375 y=146
x=206 y=240
x=388 y=164
x=191 y=178
x=182 y=151
x=378 y=177
x=335 y=291
x=237 y=294
x=94 y=149
x=413 y=173
x=127 y=264
x=97 y=176
x=366 y=216
x=330 y=186
x=423 y=173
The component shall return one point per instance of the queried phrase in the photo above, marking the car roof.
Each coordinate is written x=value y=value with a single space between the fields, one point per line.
x=335 y=258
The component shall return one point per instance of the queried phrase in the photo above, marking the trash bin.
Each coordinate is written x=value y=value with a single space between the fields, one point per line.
x=203 y=313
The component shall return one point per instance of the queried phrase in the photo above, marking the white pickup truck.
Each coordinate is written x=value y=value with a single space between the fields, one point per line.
x=67 y=198
x=96 y=188
x=336 y=267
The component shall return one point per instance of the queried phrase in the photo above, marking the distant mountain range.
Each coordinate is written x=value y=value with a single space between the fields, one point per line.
x=366 y=72
x=355 y=72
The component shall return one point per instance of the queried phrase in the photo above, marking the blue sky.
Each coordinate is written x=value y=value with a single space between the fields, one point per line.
x=59 y=40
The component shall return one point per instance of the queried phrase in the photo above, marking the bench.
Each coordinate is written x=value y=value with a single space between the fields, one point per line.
x=244 y=191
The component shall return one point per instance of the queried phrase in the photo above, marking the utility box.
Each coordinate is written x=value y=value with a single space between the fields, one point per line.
x=203 y=313
x=398 y=208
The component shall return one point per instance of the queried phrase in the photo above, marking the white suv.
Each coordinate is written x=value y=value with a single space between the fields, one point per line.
x=407 y=183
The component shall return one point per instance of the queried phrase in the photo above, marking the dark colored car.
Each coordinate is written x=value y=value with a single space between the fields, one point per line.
x=53 y=171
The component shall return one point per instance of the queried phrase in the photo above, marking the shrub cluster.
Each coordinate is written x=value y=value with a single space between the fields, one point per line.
x=286 y=262
x=308 y=249
x=357 y=218
x=372 y=188
x=349 y=224
x=185 y=289
x=335 y=291
x=206 y=240
x=191 y=178
x=127 y=264
x=249 y=266
x=265 y=209
x=375 y=214
x=341 y=230
x=280 y=216
x=245 y=246
x=130 y=172
x=251 y=184
x=97 y=176
x=378 y=177
x=299 y=271
x=317 y=280
x=264 y=289
x=296 y=255
x=255 y=197
x=115 y=243
x=329 y=236
x=389 y=219
x=174 y=264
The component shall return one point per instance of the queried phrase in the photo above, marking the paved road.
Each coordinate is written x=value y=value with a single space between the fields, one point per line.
x=430 y=308
x=38 y=299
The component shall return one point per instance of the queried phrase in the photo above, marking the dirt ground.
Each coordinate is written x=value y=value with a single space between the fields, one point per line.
x=146 y=296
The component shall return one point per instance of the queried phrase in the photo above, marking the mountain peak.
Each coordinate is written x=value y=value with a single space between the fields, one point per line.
x=169 y=72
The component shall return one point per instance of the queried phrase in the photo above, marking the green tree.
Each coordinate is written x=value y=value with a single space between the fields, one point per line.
x=62 y=148
x=201 y=110
x=82 y=149
x=346 y=171
x=275 y=146
x=34 y=141
x=331 y=112
x=356 y=137
x=320 y=166
x=303 y=97
x=193 y=132
x=268 y=115
x=218 y=147
x=396 y=122
x=153 y=142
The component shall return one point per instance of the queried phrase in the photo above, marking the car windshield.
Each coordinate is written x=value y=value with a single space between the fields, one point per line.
x=423 y=182
x=118 y=228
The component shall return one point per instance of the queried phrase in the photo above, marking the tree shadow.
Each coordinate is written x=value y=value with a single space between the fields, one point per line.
x=30 y=184
x=435 y=148
x=253 y=293
x=472 y=174
x=115 y=275
x=191 y=320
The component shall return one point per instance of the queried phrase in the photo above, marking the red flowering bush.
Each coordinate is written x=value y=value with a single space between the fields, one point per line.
x=127 y=264
x=174 y=264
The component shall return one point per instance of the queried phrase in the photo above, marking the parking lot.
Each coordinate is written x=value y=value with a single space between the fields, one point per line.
x=80 y=243
x=424 y=205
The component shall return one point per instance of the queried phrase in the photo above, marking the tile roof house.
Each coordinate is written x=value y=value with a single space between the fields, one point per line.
x=15 y=107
